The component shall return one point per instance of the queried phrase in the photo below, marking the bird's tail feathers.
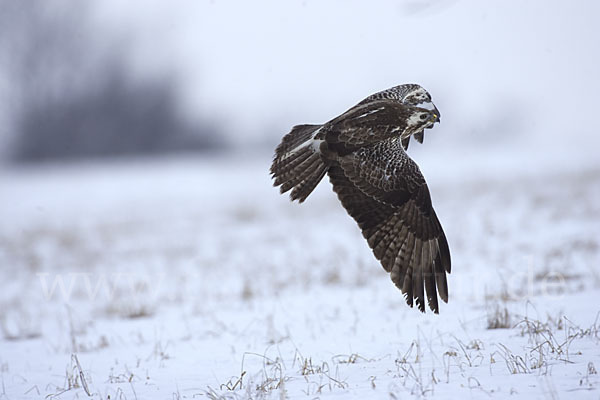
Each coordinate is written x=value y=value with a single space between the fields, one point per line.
x=298 y=165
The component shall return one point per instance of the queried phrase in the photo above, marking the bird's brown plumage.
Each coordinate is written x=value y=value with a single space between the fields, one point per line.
x=382 y=188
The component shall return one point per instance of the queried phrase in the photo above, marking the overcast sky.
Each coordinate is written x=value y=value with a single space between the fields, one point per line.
x=491 y=66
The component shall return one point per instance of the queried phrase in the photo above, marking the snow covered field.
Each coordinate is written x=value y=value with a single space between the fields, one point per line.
x=193 y=278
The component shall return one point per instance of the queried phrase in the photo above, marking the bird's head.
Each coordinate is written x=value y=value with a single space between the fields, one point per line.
x=425 y=114
x=413 y=95
x=418 y=120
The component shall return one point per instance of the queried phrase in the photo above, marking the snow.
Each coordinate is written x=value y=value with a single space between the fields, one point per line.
x=194 y=278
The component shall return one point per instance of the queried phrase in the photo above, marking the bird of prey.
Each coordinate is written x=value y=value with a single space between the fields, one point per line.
x=364 y=153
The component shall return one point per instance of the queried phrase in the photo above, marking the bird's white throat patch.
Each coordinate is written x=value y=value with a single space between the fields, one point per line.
x=414 y=120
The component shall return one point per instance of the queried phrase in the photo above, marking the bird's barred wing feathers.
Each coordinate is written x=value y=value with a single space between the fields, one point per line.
x=385 y=192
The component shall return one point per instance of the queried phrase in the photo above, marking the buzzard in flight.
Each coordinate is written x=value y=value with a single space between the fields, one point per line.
x=381 y=187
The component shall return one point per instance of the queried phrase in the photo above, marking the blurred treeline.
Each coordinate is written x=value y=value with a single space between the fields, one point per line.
x=69 y=90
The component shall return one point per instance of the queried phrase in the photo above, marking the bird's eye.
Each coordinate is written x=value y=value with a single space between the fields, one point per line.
x=423 y=116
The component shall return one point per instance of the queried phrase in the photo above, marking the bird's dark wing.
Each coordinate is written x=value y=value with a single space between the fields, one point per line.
x=369 y=123
x=385 y=192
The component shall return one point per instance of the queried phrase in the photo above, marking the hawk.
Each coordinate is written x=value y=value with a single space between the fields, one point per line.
x=364 y=153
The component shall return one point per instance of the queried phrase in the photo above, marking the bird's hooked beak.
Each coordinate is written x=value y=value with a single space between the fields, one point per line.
x=435 y=114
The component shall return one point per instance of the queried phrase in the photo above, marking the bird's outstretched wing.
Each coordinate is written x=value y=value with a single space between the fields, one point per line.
x=384 y=191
